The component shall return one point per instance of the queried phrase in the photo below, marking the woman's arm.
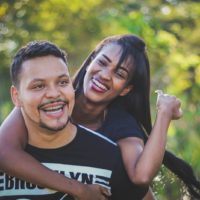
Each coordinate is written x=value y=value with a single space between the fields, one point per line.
x=16 y=162
x=143 y=162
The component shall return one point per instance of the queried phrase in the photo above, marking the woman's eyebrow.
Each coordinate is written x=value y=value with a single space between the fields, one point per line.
x=107 y=58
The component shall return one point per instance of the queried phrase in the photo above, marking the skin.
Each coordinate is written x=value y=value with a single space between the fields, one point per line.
x=90 y=108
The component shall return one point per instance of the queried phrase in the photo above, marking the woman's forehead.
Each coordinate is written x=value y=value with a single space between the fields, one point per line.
x=111 y=49
x=115 y=51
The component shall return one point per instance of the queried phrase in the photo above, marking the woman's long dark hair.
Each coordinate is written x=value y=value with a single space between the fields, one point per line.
x=137 y=102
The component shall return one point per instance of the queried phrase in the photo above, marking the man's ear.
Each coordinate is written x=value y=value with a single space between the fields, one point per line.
x=15 y=96
x=126 y=90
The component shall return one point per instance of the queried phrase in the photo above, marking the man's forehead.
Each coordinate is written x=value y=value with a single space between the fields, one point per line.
x=44 y=67
x=50 y=62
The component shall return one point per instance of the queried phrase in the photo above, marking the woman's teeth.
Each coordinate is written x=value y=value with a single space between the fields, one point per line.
x=100 y=85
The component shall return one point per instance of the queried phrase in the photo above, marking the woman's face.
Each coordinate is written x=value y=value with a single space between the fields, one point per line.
x=104 y=80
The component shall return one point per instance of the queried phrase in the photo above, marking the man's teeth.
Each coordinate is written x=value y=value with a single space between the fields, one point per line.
x=98 y=84
x=54 y=111
x=53 y=108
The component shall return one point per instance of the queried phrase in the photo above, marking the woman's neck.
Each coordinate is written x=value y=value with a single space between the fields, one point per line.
x=88 y=114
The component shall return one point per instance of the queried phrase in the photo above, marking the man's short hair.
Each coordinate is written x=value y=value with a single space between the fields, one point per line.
x=32 y=50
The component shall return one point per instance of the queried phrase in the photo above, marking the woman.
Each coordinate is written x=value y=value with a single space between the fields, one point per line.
x=112 y=97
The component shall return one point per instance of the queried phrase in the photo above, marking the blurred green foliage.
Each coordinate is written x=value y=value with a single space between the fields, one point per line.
x=170 y=28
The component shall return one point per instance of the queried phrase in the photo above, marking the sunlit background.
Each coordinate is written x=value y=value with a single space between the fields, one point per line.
x=170 y=28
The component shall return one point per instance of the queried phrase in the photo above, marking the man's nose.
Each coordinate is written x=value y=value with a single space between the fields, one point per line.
x=52 y=92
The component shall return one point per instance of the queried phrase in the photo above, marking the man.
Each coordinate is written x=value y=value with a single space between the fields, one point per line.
x=43 y=90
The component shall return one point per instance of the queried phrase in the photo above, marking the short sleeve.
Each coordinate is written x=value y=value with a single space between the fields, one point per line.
x=122 y=187
x=120 y=124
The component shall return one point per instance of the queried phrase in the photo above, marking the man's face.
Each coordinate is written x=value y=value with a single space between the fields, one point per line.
x=45 y=93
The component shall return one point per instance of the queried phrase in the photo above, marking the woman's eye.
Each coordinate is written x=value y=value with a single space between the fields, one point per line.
x=121 y=74
x=101 y=62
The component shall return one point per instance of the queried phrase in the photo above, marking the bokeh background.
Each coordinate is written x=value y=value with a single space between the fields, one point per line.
x=171 y=29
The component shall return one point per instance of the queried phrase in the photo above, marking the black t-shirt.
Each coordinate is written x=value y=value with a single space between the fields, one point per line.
x=120 y=124
x=89 y=158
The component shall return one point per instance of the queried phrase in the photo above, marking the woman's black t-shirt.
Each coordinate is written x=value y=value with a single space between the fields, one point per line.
x=119 y=124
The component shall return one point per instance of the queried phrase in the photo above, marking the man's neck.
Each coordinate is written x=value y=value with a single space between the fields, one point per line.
x=43 y=138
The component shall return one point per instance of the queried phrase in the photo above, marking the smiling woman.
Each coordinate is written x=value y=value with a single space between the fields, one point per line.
x=136 y=102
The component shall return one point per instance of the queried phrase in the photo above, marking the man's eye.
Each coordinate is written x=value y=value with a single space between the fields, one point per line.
x=63 y=82
x=38 y=87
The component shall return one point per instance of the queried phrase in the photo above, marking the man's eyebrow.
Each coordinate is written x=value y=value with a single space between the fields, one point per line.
x=40 y=79
x=37 y=80
x=63 y=75
x=106 y=57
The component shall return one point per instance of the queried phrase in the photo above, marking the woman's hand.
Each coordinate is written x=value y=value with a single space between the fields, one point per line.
x=169 y=105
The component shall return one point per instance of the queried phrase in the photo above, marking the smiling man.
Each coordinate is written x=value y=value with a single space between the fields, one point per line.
x=43 y=90
x=46 y=96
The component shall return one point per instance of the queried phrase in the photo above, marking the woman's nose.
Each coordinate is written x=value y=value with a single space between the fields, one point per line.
x=106 y=74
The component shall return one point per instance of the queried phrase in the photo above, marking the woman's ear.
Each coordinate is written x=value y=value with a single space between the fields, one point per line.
x=15 y=96
x=126 y=90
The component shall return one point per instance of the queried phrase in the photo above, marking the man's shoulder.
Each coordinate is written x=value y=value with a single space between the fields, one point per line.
x=101 y=150
x=96 y=135
x=96 y=142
